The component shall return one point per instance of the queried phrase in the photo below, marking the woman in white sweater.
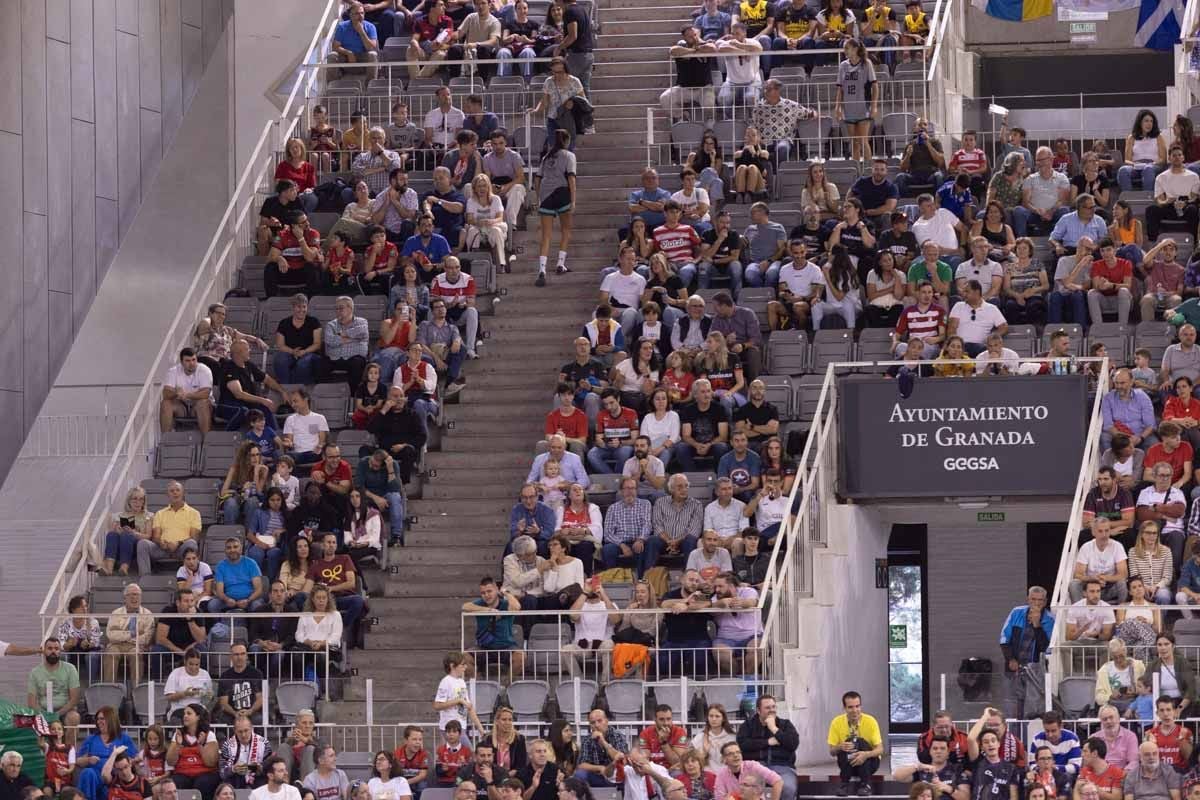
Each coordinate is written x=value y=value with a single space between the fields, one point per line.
x=319 y=628
x=560 y=572
x=661 y=425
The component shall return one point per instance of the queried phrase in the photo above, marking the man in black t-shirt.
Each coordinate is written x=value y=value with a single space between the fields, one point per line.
x=687 y=629
x=721 y=255
x=174 y=636
x=704 y=429
x=588 y=376
x=275 y=210
x=577 y=43
x=751 y=565
x=240 y=688
x=812 y=233
x=241 y=382
x=758 y=418
x=297 y=344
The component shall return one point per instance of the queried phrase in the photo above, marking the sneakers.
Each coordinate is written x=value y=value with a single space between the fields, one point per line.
x=540 y=280
x=507 y=266
x=842 y=789
x=454 y=387
x=562 y=269
x=864 y=789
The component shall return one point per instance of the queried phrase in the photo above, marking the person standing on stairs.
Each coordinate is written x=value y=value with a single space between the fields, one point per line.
x=556 y=199
x=577 y=44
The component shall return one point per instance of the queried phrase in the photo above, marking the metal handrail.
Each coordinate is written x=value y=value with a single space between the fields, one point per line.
x=214 y=265
x=1087 y=471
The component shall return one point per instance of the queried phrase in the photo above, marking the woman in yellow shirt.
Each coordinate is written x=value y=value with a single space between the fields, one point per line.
x=878 y=29
x=953 y=351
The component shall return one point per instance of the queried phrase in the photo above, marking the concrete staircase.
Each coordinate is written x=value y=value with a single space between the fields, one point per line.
x=462 y=518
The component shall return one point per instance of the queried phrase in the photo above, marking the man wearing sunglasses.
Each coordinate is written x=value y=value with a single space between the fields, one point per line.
x=974 y=320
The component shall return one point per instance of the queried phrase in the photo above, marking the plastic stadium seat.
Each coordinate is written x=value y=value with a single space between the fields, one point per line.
x=670 y=693
x=565 y=694
x=686 y=135
x=625 y=698
x=756 y=300
x=141 y=703
x=177 y=454
x=507 y=83
x=875 y=344
x=701 y=485
x=1155 y=337
x=98 y=695
x=604 y=486
x=293 y=696
x=241 y=794
x=350 y=440
x=332 y=400
x=188 y=794
x=808 y=394
x=439 y=792
x=486 y=695
x=241 y=313
x=323 y=308
x=156 y=493
x=542 y=646
x=214 y=541
x=274 y=309
x=1076 y=695
x=831 y=346
x=779 y=394
x=787 y=353
x=357 y=765
x=1187 y=632
x=1074 y=332
x=1022 y=339
x=218 y=452
x=201 y=494
x=726 y=694
x=1114 y=336
x=527 y=698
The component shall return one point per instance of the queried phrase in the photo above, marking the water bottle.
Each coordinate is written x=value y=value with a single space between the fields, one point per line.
x=1160 y=293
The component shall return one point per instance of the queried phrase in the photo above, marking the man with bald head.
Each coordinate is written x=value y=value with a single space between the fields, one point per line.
x=174 y=530
x=1181 y=359
x=1127 y=410
x=570 y=464
x=242 y=384
x=400 y=432
x=588 y=376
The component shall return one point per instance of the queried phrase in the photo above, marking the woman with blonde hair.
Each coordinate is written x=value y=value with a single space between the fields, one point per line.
x=723 y=369
x=1153 y=562
x=751 y=166
x=129 y=526
x=486 y=228
x=821 y=192
x=296 y=167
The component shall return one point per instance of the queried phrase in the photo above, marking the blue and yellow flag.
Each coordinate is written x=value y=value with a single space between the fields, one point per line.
x=1015 y=10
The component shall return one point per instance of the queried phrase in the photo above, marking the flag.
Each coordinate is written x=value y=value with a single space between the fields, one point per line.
x=1015 y=10
x=1159 y=24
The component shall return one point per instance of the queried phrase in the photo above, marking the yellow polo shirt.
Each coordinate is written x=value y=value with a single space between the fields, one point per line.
x=177 y=526
x=868 y=728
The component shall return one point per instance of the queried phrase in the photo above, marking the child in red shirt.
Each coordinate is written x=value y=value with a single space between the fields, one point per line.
x=412 y=760
x=452 y=755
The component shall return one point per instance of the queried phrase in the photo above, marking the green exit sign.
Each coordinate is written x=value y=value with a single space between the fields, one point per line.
x=990 y=516
x=897 y=637
x=1083 y=28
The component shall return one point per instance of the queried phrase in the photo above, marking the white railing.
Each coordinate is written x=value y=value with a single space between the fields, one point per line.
x=1089 y=462
x=215 y=274
x=1179 y=96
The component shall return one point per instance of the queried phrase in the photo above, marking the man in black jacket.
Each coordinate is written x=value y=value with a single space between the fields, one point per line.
x=314 y=513
x=270 y=636
x=399 y=430
x=772 y=742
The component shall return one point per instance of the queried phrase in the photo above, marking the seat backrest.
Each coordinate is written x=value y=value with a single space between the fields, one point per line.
x=292 y=696
x=177 y=453
x=565 y=694
x=99 y=695
x=486 y=694
x=527 y=698
x=625 y=698
x=218 y=451
x=830 y=346
x=787 y=352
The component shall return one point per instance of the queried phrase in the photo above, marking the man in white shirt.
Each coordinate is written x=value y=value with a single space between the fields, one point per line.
x=724 y=514
x=1103 y=559
x=997 y=359
x=646 y=779
x=304 y=432
x=981 y=268
x=694 y=201
x=941 y=226
x=277 y=786
x=623 y=290
x=1175 y=193
x=1091 y=618
x=186 y=391
x=973 y=319
x=443 y=121
x=800 y=284
x=769 y=506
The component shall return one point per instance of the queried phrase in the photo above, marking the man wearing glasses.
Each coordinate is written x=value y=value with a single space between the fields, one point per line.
x=1079 y=223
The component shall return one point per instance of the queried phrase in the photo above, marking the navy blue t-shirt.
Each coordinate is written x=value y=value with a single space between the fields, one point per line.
x=873 y=196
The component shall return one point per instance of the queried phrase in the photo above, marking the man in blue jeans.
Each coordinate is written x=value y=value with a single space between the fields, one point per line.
x=336 y=573
x=380 y=482
x=600 y=750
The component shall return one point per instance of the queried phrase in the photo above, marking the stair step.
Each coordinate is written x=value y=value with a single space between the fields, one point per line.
x=488 y=444
x=352 y=712
x=648 y=51
x=632 y=10
x=628 y=25
x=498 y=461
x=413 y=556
x=475 y=530
x=455 y=490
x=611 y=78
x=433 y=514
x=491 y=414
x=456 y=586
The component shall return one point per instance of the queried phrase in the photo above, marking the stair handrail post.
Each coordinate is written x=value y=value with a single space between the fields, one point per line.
x=370 y=688
x=649 y=135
